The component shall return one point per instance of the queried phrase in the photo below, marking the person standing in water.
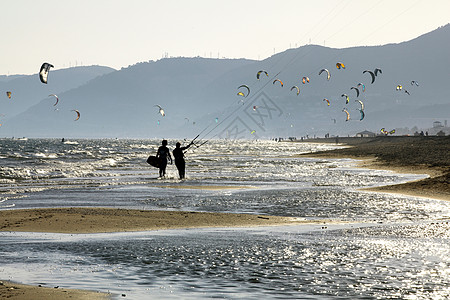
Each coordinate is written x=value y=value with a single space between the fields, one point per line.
x=178 y=155
x=163 y=155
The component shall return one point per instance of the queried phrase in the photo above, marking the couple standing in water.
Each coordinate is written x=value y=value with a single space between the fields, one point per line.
x=164 y=156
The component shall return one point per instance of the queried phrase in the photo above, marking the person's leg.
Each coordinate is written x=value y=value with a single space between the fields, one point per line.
x=182 y=170
x=178 y=164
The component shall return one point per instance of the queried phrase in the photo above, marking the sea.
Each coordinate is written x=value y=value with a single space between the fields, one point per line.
x=371 y=245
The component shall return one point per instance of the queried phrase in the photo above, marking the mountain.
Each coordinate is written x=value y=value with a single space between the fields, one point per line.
x=199 y=95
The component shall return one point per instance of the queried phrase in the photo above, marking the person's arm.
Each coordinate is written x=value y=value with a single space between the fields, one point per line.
x=186 y=147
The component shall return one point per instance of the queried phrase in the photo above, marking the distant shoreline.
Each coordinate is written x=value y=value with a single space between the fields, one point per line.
x=403 y=154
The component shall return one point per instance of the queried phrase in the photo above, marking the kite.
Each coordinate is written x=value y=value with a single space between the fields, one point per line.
x=255 y=107
x=305 y=80
x=241 y=93
x=296 y=87
x=253 y=131
x=362 y=85
x=360 y=102
x=161 y=111
x=384 y=131
x=328 y=73
x=347 y=98
x=278 y=81
x=8 y=94
x=399 y=87
x=328 y=101
x=78 y=114
x=259 y=73
x=348 y=114
x=356 y=89
x=57 y=99
x=372 y=74
x=414 y=83
x=43 y=72
x=362 y=114
x=340 y=65
x=377 y=71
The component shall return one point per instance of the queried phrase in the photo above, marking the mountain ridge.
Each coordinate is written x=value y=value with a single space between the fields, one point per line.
x=201 y=93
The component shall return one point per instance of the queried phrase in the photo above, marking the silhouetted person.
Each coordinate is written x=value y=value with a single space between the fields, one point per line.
x=178 y=155
x=163 y=155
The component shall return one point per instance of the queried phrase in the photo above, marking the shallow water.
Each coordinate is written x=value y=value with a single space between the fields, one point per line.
x=381 y=246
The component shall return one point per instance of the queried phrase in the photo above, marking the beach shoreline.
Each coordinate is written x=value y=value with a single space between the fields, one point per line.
x=404 y=154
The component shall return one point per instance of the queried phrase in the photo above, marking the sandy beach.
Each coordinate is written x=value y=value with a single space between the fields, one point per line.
x=403 y=154
x=94 y=220
x=11 y=290
x=423 y=155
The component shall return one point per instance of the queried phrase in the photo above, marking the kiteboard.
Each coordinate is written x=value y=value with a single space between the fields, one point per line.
x=153 y=161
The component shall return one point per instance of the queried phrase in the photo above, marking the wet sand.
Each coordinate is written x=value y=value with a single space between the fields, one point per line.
x=10 y=290
x=94 y=220
x=403 y=154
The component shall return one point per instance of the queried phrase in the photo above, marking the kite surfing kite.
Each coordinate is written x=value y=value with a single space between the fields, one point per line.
x=259 y=74
x=362 y=104
x=362 y=85
x=399 y=87
x=340 y=65
x=347 y=98
x=305 y=80
x=328 y=101
x=241 y=93
x=296 y=87
x=356 y=89
x=278 y=81
x=57 y=99
x=161 y=110
x=328 y=73
x=362 y=114
x=43 y=72
x=372 y=75
x=377 y=71
x=8 y=94
x=78 y=114
x=348 y=114
x=414 y=83
x=385 y=132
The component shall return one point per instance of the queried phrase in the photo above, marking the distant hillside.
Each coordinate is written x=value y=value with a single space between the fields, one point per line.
x=200 y=95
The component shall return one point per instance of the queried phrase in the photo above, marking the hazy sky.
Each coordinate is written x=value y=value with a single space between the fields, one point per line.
x=118 y=33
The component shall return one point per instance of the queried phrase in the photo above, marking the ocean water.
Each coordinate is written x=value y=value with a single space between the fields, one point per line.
x=379 y=245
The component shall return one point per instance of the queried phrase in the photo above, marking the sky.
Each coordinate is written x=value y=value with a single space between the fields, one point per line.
x=120 y=33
